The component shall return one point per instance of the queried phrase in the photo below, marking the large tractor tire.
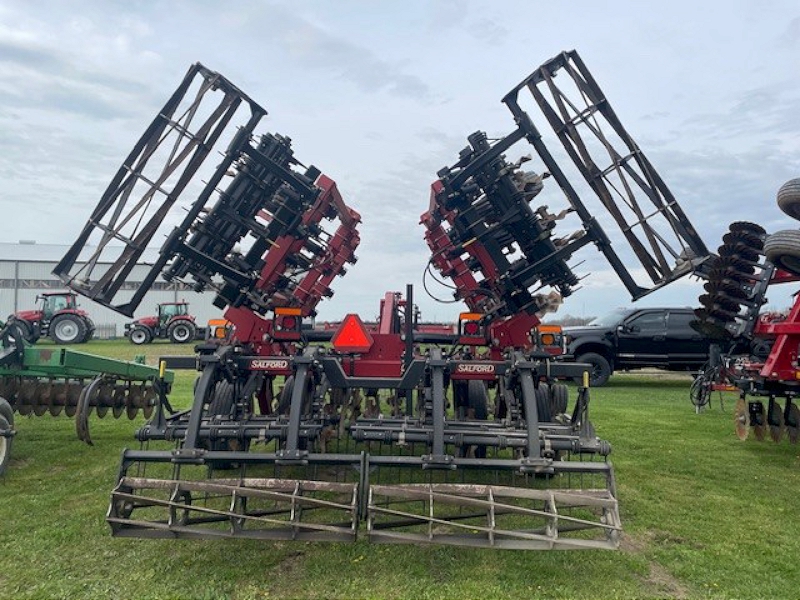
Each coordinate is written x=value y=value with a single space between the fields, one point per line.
x=782 y=249
x=601 y=368
x=140 y=335
x=182 y=332
x=68 y=329
x=789 y=198
x=20 y=330
x=89 y=329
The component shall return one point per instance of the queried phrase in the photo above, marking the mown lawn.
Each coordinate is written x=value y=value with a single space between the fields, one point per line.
x=705 y=515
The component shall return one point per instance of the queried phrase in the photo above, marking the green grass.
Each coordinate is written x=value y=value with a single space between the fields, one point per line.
x=705 y=515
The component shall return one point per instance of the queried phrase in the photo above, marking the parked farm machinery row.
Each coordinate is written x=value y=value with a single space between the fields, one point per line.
x=390 y=433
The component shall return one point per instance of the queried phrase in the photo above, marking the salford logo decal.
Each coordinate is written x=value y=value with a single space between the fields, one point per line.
x=475 y=368
x=269 y=364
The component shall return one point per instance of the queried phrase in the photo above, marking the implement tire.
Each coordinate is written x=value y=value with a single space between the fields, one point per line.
x=7 y=411
x=789 y=198
x=782 y=249
x=5 y=444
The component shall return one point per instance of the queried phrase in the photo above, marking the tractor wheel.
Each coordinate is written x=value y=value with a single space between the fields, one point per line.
x=67 y=329
x=182 y=332
x=5 y=444
x=24 y=328
x=783 y=250
x=140 y=335
x=600 y=371
x=789 y=198
x=89 y=330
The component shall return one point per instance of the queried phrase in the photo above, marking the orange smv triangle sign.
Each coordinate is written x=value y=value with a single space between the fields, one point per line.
x=352 y=336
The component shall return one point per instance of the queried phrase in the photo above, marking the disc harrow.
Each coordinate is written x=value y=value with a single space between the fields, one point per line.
x=38 y=381
x=754 y=353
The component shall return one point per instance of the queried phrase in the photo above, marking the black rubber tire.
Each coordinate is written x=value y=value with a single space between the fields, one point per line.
x=140 y=335
x=89 y=330
x=478 y=399
x=601 y=368
x=222 y=401
x=67 y=329
x=543 y=403
x=5 y=445
x=782 y=249
x=182 y=332
x=221 y=405
x=789 y=198
x=559 y=398
x=7 y=411
x=285 y=399
x=25 y=329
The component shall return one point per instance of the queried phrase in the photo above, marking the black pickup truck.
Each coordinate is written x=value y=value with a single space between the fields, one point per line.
x=635 y=338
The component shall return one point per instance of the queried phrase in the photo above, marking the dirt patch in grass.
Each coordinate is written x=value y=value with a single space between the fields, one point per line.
x=658 y=579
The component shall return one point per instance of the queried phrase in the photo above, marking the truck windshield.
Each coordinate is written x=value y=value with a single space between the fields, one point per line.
x=609 y=319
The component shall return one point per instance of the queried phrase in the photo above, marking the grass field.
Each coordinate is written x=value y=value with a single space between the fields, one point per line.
x=705 y=515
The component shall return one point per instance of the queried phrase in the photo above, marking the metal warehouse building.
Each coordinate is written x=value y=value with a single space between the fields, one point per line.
x=26 y=271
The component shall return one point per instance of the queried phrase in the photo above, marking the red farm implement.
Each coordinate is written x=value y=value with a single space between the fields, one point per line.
x=395 y=432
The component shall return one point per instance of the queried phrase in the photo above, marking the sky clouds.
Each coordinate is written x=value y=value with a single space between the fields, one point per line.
x=382 y=95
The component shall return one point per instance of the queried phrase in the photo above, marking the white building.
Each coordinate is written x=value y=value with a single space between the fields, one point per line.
x=26 y=271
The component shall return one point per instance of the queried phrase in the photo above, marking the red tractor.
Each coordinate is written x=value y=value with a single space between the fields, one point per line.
x=58 y=317
x=172 y=322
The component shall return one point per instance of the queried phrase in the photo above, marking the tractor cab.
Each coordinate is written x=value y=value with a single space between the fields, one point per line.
x=56 y=302
x=169 y=310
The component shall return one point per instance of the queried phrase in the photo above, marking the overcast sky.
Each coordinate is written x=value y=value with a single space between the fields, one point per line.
x=381 y=95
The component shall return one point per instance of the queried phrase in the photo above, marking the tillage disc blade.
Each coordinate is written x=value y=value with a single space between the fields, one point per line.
x=793 y=423
x=741 y=420
x=775 y=420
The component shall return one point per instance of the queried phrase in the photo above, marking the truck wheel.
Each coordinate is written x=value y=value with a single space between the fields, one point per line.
x=601 y=369
x=789 y=198
x=782 y=249
x=67 y=329
x=140 y=335
x=182 y=332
